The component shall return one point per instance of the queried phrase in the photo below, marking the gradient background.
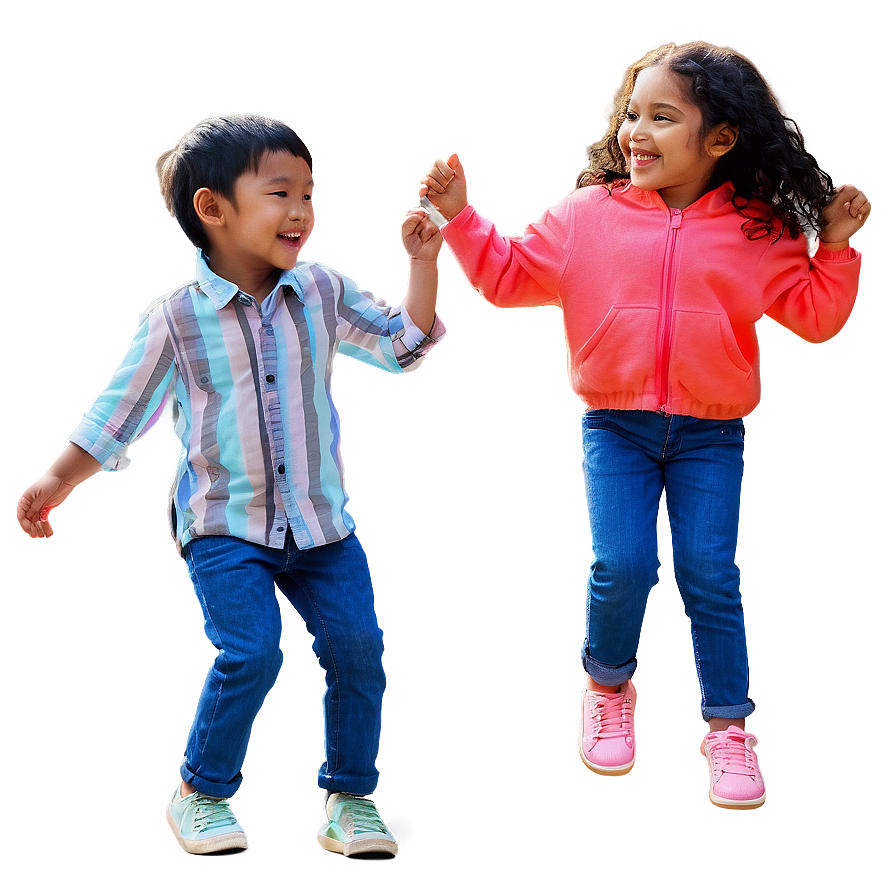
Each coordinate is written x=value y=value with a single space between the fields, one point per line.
x=481 y=498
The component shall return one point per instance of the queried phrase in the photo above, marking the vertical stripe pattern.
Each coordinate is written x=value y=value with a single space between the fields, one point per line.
x=255 y=415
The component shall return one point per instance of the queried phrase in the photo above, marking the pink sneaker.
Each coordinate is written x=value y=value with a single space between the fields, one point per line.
x=607 y=731
x=735 y=781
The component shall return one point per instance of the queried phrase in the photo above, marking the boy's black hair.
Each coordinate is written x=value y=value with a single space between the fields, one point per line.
x=214 y=154
x=769 y=162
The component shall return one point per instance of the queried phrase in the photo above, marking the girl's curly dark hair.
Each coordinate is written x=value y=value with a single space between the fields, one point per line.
x=769 y=161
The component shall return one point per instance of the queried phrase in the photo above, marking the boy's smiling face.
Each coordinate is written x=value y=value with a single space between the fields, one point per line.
x=261 y=231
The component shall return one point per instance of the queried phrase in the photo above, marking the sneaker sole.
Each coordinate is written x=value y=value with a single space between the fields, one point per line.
x=371 y=846
x=610 y=771
x=234 y=840
x=723 y=802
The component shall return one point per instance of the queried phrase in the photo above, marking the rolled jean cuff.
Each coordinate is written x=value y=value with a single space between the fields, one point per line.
x=359 y=785
x=608 y=675
x=210 y=788
x=740 y=711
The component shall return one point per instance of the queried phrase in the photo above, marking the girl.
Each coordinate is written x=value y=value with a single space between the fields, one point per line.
x=686 y=227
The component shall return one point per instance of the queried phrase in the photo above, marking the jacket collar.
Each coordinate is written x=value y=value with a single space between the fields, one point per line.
x=708 y=203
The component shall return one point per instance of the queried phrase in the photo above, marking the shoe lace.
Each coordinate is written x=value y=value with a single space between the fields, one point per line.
x=361 y=816
x=612 y=714
x=731 y=754
x=211 y=812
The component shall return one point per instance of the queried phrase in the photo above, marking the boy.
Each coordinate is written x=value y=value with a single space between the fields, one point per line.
x=258 y=499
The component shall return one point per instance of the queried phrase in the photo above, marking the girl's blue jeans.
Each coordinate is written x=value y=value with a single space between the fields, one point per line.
x=330 y=587
x=630 y=458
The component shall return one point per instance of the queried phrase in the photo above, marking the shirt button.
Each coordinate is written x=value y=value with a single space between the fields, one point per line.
x=270 y=377
x=281 y=469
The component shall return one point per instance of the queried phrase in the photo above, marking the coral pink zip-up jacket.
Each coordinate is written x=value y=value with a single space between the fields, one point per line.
x=659 y=304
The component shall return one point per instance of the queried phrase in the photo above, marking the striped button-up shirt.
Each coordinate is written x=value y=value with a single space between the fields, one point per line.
x=254 y=413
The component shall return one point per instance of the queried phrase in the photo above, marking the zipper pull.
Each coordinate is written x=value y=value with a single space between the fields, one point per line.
x=676 y=218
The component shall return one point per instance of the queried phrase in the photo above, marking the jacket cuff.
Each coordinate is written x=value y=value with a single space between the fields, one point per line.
x=847 y=254
x=461 y=218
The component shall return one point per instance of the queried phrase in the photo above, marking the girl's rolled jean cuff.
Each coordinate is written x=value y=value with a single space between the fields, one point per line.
x=608 y=675
x=741 y=711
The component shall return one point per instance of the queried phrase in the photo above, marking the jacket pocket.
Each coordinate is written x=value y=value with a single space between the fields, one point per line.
x=706 y=361
x=620 y=355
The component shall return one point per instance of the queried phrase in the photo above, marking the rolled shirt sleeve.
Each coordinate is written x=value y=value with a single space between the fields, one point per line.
x=379 y=334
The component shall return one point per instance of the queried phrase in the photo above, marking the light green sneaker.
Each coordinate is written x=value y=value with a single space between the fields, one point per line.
x=354 y=827
x=204 y=824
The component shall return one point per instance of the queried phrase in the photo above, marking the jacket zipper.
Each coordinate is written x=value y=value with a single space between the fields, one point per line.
x=665 y=334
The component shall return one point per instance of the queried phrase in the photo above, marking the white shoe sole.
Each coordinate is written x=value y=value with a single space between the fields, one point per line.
x=371 y=845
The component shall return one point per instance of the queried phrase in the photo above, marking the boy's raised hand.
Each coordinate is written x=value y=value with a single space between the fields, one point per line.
x=420 y=236
x=845 y=214
x=446 y=186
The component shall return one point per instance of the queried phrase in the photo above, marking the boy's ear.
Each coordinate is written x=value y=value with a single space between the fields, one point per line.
x=208 y=207
x=722 y=139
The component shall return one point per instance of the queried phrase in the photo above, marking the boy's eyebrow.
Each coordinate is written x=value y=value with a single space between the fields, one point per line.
x=283 y=179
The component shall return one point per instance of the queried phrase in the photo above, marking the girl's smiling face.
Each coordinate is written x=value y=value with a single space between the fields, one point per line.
x=663 y=142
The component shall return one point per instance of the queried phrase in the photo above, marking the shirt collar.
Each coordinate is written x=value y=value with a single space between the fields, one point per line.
x=222 y=291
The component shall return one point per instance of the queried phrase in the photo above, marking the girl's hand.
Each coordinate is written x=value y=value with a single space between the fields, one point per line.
x=844 y=215
x=446 y=186
x=37 y=502
x=420 y=236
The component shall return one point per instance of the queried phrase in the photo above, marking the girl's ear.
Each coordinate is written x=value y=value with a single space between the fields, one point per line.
x=721 y=139
x=208 y=207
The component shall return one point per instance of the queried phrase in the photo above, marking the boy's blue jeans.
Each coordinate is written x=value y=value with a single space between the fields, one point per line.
x=630 y=458
x=330 y=586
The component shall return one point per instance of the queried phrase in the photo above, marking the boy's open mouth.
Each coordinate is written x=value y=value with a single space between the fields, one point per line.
x=292 y=239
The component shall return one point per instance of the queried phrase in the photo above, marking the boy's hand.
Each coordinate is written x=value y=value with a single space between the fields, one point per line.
x=844 y=215
x=420 y=236
x=71 y=468
x=37 y=502
x=446 y=186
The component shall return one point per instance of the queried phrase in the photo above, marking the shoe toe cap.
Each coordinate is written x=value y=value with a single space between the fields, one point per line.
x=739 y=788
x=615 y=753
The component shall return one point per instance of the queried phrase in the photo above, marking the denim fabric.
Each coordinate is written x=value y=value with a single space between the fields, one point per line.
x=630 y=457
x=330 y=587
